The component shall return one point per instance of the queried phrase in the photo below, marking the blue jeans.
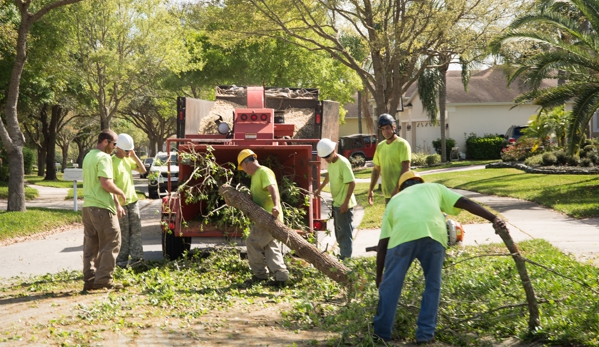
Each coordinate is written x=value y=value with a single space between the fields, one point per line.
x=431 y=254
x=344 y=231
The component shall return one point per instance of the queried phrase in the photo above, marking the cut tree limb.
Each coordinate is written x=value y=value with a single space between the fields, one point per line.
x=533 y=306
x=324 y=262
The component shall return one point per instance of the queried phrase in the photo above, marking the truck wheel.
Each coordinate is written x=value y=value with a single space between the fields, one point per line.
x=153 y=192
x=173 y=247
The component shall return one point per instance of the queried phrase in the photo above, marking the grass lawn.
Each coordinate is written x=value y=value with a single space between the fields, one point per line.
x=35 y=220
x=30 y=193
x=574 y=195
x=366 y=172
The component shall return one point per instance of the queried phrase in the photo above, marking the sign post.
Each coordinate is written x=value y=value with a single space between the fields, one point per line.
x=73 y=175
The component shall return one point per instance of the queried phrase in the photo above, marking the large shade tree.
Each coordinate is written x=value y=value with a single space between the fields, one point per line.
x=10 y=131
x=121 y=46
x=563 y=35
x=230 y=57
x=383 y=42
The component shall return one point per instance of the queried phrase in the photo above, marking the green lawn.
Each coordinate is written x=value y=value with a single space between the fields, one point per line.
x=35 y=220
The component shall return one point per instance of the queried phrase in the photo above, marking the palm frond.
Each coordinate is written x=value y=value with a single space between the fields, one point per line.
x=585 y=106
x=429 y=84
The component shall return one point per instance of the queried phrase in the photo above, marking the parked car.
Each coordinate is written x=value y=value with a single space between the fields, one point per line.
x=147 y=164
x=158 y=174
x=359 y=147
x=513 y=133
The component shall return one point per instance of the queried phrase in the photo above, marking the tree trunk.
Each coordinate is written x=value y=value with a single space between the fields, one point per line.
x=442 y=102
x=41 y=162
x=322 y=261
x=65 y=153
x=533 y=307
x=16 y=179
x=49 y=141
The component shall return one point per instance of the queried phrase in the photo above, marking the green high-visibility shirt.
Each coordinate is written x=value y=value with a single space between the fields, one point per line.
x=417 y=212
x=262 y=178
x=340 y=174
x=123 y=178
x=389 y=158
x=97 y=164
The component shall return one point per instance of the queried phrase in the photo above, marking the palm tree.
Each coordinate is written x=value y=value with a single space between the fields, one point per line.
x=566 y=40
x=432 y=87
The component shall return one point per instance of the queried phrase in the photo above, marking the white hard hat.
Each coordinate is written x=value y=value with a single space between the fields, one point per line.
x=325 y=147
x=124 y=141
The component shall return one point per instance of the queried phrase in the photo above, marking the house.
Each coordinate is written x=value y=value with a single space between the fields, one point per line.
x=486 y=108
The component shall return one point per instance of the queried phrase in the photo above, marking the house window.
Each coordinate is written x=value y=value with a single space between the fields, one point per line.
x=595 y=122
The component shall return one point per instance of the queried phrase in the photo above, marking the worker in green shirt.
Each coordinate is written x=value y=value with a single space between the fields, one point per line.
x=101 y=211
x=414 y=227
x=391 y=159
x=341 y=177
x=264 y=252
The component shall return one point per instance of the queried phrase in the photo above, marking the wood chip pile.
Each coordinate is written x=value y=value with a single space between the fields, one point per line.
x=302 y=118
x=222 y=108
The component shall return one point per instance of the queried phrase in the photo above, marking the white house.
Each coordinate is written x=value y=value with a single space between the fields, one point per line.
x=486 y=108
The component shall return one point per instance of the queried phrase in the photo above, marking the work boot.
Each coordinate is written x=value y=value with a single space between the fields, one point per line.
x=109 y=285
x=254 y=280
x=277 y=284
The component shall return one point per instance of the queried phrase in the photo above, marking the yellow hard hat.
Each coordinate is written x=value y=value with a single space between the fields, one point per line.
x=409 y=175
x=243 y=155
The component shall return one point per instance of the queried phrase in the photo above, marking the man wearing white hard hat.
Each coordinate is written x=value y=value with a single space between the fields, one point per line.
x=123 y=162
x=343 y=183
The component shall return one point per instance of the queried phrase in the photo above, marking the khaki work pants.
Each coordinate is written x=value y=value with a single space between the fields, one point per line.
x=264 y=254
x=101 y=245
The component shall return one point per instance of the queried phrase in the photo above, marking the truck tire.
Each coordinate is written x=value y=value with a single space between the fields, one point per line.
x=153 y=192
x=173 y=247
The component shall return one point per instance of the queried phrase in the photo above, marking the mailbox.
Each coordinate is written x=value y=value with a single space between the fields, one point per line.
x=73 y=175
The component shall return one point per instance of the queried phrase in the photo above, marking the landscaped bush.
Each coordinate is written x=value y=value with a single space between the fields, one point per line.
x=418 y=159
x=449 y=143
x=484 y=148
x=356 y=163
x=573 y=160
x=433 y=159
x=549 y=159
x=586 y=162
x=562 y=157
x=28 y=159
x=535 y=160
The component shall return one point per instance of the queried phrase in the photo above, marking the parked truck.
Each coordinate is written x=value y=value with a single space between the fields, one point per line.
x=260 y=125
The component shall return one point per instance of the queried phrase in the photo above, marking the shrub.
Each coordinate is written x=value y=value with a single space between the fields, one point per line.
x=519 y=151
x=594 y=158
x=419 y=159
x=549 y=159
x=562 y=157
x=433 y=159
x=356 y=163
x=586 y=162
x=28 y=160
x=535 y=160
x=3 y=167
x=484 y=148
x=573 y=160
x=449 y=143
